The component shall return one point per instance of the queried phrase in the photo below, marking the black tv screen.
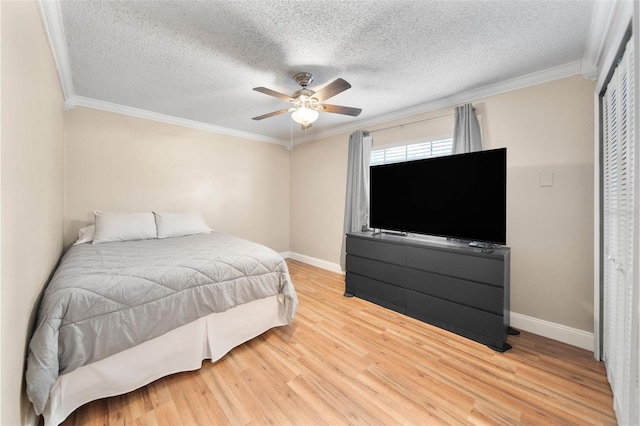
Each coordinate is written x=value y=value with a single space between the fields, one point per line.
x=460 y=196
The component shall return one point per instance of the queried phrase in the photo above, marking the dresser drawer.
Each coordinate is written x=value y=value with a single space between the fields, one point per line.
x=444 y=283
x=475 y=268
x=480 y=296
x=371 y=249
x=479 y=325
x=380 y=293
x=380 y=271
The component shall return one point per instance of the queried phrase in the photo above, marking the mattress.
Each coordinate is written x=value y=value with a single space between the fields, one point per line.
x=110 y=297
x=181 y=349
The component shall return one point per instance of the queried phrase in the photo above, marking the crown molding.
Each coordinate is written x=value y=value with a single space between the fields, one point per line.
x=555 y=73
x=620 y=21
x=52 y=22
x=163 y=118
x=602 y=19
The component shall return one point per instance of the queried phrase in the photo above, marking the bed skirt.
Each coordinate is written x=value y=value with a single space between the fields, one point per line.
x=182 y=349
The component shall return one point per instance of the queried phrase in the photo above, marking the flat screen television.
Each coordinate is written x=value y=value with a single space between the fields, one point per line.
x=460 y=196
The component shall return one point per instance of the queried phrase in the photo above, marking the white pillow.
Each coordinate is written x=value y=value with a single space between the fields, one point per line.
x=124 y=226
x=179 y=224
x=85 y=235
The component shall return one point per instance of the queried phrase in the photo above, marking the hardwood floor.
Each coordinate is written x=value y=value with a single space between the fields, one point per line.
x=347 y=361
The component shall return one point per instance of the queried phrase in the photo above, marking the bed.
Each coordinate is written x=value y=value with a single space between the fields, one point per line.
x=119 y=315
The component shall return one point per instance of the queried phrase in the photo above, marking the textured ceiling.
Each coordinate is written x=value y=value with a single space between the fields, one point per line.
x=200 y=60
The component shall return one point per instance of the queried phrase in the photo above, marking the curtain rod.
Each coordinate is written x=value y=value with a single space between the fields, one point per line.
x=412 y=122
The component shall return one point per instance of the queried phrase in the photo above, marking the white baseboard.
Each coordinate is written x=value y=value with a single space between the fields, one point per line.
x=313 y=261
x=559 y=332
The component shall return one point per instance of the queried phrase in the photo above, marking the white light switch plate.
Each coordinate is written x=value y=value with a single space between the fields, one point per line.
x=546 y=179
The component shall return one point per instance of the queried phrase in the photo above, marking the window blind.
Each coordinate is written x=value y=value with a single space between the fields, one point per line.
x=620 y=240
x=412 y=152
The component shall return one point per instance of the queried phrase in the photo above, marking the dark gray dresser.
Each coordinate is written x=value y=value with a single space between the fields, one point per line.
x=445 y=283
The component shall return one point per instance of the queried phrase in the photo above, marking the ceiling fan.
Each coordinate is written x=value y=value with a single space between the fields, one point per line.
x=306 y=104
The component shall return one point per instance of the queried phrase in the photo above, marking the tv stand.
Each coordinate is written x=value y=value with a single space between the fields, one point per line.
x=459 y=288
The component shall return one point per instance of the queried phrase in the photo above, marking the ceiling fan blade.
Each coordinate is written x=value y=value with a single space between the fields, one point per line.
x=337 y=109
x=336 y=86
x=271 y=114
x=273 y=93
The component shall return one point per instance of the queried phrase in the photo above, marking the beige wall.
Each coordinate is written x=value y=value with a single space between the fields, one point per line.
x=546 y=128
x=32 y=197
x=253 y=190
x=318 y=186
x=436 y=125
x=123 y=164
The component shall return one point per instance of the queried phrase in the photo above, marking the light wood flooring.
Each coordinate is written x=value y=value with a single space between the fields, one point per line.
x=347 y=361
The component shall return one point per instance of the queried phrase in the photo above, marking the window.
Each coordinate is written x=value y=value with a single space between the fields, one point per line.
x=412 y=152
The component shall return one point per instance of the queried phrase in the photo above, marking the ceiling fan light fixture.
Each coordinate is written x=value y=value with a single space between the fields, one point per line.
x=306 y=104
x=304 y=116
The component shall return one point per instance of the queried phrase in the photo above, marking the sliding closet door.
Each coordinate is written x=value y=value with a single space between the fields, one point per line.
x=620 y=232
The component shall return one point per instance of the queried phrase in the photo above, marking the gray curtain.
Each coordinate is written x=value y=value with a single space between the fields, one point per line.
x=466 y=133
x=356 y=208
